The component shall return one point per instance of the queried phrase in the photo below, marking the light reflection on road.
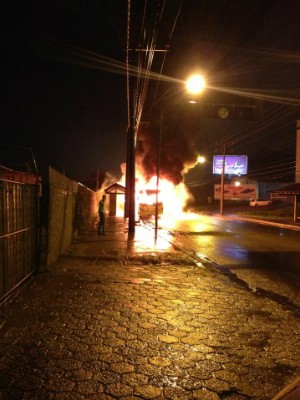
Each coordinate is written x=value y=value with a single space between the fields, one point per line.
x=261 y=255
x=144 y=240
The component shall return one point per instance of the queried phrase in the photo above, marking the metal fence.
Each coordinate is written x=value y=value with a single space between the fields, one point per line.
x=19 y=233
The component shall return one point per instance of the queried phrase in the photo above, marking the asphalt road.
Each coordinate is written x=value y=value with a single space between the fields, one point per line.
x=265 y=258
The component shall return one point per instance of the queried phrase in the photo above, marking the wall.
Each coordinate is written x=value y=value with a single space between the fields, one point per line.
x=70 y=206
x=86 y=207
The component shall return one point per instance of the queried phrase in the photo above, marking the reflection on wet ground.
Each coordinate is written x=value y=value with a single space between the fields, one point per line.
x=262 y=259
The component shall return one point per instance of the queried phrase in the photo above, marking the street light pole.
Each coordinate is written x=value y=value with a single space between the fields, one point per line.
x=130 y=160
x=222 y=181
x=195 y=84
x=131 y=169
x=158 y=168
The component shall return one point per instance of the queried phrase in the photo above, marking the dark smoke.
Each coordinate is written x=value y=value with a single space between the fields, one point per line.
x=181 y=127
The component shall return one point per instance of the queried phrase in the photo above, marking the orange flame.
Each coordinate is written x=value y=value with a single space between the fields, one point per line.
x=173 y=197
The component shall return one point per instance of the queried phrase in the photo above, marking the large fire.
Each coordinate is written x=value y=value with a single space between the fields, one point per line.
x=176 y=139
x=172 y=198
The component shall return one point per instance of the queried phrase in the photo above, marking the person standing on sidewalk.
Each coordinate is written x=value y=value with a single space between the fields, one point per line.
x=101 y=212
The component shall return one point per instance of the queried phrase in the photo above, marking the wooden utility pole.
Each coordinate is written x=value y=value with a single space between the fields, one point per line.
x=222 y=181
x=131 y=146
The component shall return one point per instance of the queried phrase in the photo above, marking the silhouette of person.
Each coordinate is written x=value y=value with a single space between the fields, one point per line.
x=101 y=212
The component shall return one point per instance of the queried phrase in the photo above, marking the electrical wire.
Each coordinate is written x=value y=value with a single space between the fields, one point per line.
x=127 y=61
x=165 y=54
x=149 y=35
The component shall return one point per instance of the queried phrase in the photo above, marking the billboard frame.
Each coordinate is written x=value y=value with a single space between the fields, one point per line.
x=234 y=165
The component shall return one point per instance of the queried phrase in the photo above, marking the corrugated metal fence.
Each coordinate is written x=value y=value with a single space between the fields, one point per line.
x=19 y=233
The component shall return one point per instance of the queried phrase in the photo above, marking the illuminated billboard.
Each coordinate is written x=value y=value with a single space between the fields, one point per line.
x=234 y=165
x=232 y=192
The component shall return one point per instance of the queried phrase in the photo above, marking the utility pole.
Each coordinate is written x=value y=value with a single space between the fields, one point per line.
x=158 y=169
x=130 y=163
x=131 y=146
x=222 y=180
x=97 y=179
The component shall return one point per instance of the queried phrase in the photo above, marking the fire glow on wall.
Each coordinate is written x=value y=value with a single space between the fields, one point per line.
x=234 y=165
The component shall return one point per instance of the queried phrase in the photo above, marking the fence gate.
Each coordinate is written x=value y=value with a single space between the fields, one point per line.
x=19 y=234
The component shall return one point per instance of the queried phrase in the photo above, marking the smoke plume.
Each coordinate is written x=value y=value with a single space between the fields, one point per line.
x=180 y=129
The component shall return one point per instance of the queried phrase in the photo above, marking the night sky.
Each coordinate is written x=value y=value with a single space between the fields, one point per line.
x=74 y=117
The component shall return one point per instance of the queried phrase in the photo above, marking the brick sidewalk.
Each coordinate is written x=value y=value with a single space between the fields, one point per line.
x=112 y=321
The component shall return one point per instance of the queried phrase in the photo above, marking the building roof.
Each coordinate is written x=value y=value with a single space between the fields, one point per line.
x=116 y=188
x=292 y=189
x=7 y=174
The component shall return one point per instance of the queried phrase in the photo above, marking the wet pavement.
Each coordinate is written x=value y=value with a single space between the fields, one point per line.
x=127 y=319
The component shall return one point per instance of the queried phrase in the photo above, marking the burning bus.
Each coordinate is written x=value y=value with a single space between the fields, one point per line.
x=170 y=199
x=148 y=201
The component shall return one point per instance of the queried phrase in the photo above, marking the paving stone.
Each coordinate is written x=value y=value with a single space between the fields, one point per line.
x=204 y=394
x=90 y=387
x=118 y=390
x=143 y=328
x=121 y=368
x=59 y=385
x=148 y=391
x=168 y=339
x=160 y=361
x=134 y=379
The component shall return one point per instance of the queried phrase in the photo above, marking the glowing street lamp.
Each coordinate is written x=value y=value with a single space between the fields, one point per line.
x=195 y=84
x=201 y=160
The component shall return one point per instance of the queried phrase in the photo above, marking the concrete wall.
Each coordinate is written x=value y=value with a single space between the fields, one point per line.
x=70 y=206
x=86 y=207
x=62 y=200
